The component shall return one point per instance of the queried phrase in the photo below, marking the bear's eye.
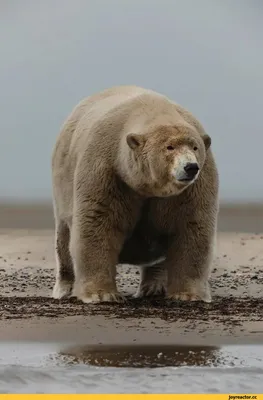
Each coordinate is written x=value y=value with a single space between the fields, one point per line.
x=170 y=148
x=195 y=148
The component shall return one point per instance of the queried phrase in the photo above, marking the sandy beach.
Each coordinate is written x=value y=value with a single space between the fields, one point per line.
x=28 y=312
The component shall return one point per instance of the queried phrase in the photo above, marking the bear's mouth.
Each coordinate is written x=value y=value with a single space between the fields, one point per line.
x=186 y=179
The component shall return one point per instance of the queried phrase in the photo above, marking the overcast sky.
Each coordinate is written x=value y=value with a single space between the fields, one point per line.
x=205 y=54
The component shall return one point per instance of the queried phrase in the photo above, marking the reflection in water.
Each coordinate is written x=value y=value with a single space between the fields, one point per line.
x=142 y=356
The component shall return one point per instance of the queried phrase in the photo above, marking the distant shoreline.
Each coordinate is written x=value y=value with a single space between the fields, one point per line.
x=232 y=217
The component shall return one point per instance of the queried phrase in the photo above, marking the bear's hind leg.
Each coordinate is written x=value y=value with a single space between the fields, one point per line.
x=65 y=273
x=153 y=281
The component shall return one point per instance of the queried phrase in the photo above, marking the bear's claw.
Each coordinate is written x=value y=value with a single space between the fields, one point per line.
x=186 y=296
x=154 y=289
x=110 y=297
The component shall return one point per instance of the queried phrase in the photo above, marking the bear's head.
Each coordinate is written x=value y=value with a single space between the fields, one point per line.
x=166 y=160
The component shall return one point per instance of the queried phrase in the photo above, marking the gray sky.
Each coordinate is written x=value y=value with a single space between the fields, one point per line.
x=205 y=54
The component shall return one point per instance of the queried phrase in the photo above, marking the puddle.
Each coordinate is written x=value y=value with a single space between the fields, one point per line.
x=142 y=356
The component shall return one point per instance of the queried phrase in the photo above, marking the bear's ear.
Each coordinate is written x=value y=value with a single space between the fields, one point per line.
x=135 y=140
x=207 y=141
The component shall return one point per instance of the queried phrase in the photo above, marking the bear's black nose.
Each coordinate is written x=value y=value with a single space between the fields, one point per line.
x=191 y=170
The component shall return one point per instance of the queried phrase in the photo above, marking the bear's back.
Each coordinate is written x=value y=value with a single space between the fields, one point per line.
x=110 y=102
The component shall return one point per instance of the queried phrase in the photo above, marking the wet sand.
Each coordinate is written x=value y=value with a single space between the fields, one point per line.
x=28 y=313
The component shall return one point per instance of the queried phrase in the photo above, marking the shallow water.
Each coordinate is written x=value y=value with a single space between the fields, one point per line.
x=56 y=368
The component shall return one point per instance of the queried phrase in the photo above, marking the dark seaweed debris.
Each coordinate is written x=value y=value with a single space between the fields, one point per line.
x=220 y=310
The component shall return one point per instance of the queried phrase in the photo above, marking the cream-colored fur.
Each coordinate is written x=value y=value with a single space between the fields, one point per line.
x=121 y=194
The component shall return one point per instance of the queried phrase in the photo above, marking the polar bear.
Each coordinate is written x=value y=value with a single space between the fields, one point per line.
x=134 y=181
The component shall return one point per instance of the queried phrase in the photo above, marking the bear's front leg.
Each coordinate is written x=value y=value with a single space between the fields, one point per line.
x=100 y=224
x=189 y=262
x=94 y=247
